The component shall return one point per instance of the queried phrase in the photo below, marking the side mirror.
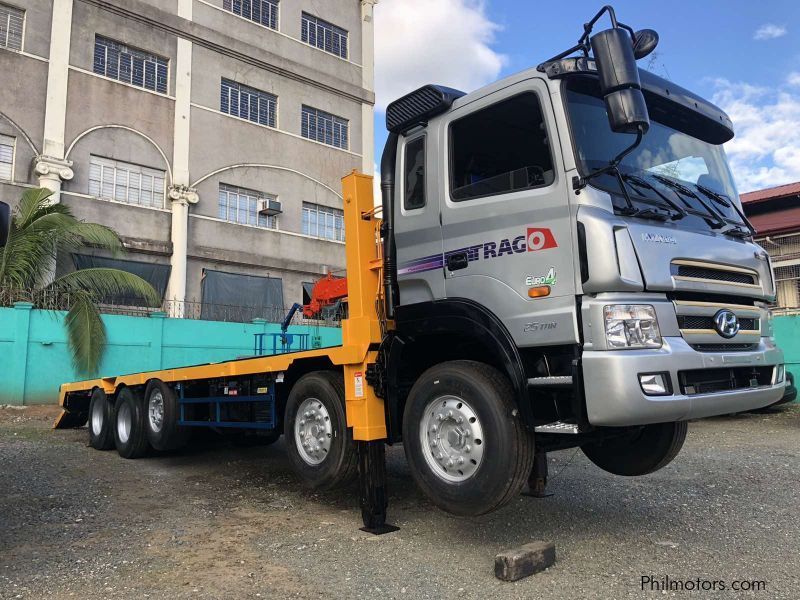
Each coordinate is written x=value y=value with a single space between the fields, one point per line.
x=619 y=81
x=645 y=42
x=5 y=223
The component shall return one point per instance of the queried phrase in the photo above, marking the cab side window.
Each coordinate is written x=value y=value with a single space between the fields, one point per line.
x=500 y=149
x=414 y=174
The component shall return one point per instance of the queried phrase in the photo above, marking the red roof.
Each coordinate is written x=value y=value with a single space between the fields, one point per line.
x=778 y=221
x=781 y=191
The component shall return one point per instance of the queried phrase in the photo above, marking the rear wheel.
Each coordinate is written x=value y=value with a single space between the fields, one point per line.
x=162 y=416
x=644 y=450
x=101 y=422
x=320 y=446
x=130 y=435
x=468 y=450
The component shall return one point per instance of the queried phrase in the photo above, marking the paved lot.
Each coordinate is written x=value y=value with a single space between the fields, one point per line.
x=227 y=522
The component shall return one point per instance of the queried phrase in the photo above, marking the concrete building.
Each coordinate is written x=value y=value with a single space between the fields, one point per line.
x=211 y=134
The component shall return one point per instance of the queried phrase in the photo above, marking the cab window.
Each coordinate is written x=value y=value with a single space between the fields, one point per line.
x=414 y=174
x=500 y=149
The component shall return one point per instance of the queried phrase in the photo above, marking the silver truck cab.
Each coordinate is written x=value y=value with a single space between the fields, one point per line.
x=633 y=297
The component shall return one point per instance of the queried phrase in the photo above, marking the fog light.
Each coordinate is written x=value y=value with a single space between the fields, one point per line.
x=780 y=373
x=655 y=384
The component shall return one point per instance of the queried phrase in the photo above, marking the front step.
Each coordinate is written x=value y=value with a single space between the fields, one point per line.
x=553 y=381
x=558 y=427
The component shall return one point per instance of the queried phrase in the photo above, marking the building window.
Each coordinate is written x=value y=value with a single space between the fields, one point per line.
x=248 y=103
x=11 y=25
x=126 y=182
x=128 y=65
x=325 y=36
x=500 y=149
x=263 y=12
x=240 y=205
x=324 y=127
x=323 y=222
x=7 y=145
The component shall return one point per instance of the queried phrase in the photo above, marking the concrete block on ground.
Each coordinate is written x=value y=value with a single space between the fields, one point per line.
x=516 y=563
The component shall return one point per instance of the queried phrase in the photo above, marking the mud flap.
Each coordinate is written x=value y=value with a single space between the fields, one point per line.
x=71 y=419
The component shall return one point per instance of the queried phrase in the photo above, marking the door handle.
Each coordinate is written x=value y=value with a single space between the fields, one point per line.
x=456 y=261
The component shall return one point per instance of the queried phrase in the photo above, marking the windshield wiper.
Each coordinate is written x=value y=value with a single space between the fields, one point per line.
x=721 y=199
x=630 y=210
x=714 y=219
x=638 y=181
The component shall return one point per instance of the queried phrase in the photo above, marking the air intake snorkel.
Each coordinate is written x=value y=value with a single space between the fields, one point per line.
x=388 y=161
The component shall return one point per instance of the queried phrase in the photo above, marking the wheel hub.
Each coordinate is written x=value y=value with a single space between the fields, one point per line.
x=124 y=423
x=98 y=416
x=313 y=432
x=452 y=438
x=155 y=410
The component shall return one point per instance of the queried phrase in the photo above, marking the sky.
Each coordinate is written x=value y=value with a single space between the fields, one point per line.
x=744 y=55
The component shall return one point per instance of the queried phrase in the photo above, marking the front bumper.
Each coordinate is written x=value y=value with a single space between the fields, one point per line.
x=614 y=397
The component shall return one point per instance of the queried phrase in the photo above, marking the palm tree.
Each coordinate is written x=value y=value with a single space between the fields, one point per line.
x=40 y=231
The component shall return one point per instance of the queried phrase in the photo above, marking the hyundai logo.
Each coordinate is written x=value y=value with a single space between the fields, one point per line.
x=726 y=323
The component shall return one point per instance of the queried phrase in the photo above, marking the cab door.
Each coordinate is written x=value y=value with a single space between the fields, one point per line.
x=418 y=234
x=506 y=227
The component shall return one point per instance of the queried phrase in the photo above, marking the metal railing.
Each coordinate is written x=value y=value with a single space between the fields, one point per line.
x=784 y=251
x=183 y=309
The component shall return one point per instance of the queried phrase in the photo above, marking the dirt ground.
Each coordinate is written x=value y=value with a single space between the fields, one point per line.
x=219 y=521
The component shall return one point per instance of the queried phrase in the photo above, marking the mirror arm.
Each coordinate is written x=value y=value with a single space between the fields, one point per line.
x=579 y=183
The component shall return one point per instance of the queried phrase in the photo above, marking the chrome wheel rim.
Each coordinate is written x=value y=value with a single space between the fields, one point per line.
x=124 y=422
x=155 y=410
x=313 y=432
x=98 y=415
x=452 y=439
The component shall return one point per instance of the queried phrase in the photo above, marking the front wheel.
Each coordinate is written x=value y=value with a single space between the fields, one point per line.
x=642 y=451
x=468 y=450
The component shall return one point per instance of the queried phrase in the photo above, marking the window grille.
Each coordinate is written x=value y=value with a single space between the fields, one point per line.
x=125 y=182
x=7 y=147
x=325 y=36
x=248 y=103
x=12 y=21
x=129 y=65
x=240 y=205
x=323 y=222
x=324 y=127
x=263 y=12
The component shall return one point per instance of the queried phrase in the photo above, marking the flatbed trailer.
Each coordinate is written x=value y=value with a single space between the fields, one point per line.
x=267 y=381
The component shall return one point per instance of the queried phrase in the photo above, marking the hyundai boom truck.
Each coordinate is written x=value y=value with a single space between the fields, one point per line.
x=562 y=261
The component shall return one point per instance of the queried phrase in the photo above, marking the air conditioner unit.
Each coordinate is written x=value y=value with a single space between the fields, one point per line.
x=269 y=207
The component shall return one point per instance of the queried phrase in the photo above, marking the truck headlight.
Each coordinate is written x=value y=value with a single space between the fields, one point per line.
x=631 y=326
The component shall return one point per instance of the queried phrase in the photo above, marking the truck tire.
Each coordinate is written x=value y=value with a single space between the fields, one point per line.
x=468 y=450
x=644 y=451
x=318 y=441
x=130 y=435
x=162 y=413
x=101 y=421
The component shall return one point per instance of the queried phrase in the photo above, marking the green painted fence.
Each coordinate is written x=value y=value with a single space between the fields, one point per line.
x=787 y=336
x=35 y=360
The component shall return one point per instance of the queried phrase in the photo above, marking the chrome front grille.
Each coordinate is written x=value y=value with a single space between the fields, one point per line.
x=707 y=322
x=702 y=272
x=696 y=324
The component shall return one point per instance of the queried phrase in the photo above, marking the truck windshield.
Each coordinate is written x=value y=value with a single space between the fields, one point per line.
x=669 y=168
